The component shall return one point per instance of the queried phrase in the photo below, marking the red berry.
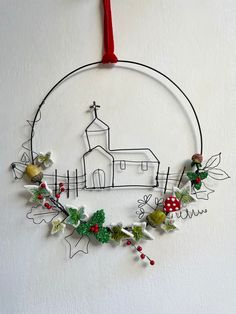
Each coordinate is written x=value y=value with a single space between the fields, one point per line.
x=58 y=195
x=62 y=189
x=46 y=205
x=128 y=242
x=95 y=228
x=198 y=180
x=152 y=262
x=61 y=184
x=139 y=248
x=40 y=197
x=49 y=207
x=142 y=256
x=43 y=185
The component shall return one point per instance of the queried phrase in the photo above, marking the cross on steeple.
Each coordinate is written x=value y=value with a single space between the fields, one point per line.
x=94 y=107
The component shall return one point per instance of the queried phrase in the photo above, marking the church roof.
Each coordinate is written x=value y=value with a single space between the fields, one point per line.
x=134 y=154
x=97 y=125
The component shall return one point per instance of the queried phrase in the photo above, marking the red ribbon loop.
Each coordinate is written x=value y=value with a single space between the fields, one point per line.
x=108 y=56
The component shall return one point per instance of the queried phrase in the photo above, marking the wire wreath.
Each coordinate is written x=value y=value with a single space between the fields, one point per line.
x=160 y=213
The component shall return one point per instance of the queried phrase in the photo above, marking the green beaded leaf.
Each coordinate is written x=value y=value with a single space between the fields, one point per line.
x=83 y=228
x=103 y=235
x=97 y=218
x=192 y=176
x=203 y=175
x=137 y=232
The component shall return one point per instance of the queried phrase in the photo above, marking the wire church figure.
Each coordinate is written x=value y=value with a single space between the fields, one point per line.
x=105 y=167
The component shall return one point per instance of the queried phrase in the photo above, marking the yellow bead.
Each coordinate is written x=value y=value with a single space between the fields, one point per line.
x=34 y=173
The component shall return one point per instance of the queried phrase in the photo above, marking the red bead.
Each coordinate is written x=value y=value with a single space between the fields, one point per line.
x=62 y=189
x=43 y=185
x=152 y=262
x=198 y=180
x=139 y=248
x=61 y=184
x=142 y=256
x=58 y=195
x=128 y=242
x=40 y=197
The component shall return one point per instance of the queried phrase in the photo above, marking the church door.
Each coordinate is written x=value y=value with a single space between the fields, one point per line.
x=99 y=179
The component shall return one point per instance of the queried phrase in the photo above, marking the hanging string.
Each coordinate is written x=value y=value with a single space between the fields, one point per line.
x=108 y=56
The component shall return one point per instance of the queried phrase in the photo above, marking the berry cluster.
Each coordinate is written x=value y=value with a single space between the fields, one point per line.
x=94 y=228
x=140 y=249
x=57 y=195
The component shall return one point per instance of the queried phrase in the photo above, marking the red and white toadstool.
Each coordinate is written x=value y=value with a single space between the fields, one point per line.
x=172 y=204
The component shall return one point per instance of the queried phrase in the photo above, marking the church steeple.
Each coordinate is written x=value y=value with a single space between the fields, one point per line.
x=97 y=132
x=95 y=107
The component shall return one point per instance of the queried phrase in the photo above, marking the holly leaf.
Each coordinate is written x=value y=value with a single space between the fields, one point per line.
x=213 y=162
x=192 y=175
x=40 y=214
x=203 y=175
x=198 y=185
x=103 y=235
x=97 y=218
x=218 y=174
x=83 y=228
x=77 y=243
x=36 y=190
x=86 y=228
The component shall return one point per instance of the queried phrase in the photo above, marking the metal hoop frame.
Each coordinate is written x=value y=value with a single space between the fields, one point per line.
x=119 y=61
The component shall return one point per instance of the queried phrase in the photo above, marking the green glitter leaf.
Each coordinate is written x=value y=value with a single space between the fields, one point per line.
x=103 y=235
x=117 y=234
x=137 y=232
x=98 y=218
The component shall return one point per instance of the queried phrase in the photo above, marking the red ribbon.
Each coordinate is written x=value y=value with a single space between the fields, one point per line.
x=108 y=56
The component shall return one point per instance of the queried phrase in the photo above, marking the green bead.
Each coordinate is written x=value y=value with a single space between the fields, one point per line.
x=156 y=218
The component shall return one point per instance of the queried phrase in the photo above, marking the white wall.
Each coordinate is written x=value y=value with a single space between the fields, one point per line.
x=191 y=41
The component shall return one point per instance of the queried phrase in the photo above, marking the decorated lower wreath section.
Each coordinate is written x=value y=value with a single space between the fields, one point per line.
x=163 y=215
